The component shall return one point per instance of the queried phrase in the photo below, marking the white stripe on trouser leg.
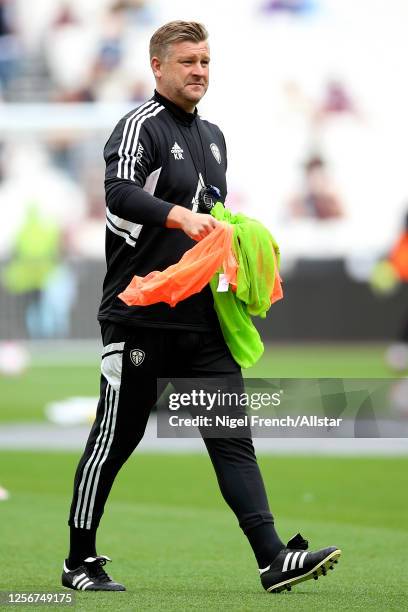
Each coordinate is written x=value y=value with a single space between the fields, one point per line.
x=107 y=449
x=286 y=563
x=115 y=346
x=88 y=464
x=111 y=369
x=302 y=558
x=84 y=522
x=294 y=558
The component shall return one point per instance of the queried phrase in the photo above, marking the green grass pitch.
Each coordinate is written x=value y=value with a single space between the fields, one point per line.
x=174 y=543
x=177 y=546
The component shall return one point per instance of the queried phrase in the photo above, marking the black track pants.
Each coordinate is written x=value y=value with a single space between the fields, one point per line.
x=127 y=394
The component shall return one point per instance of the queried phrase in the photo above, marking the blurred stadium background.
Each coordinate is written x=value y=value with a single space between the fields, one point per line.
x=312 y=100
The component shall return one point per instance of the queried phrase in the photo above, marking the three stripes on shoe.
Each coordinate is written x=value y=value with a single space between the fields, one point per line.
x=80 y=582
x=293 y=560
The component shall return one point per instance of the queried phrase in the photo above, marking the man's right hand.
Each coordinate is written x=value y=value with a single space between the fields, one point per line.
x=196 y=225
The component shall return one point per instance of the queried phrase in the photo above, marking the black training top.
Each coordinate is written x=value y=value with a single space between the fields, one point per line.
x=157 y=156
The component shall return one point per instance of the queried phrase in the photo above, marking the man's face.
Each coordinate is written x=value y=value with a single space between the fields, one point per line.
x=183 y=75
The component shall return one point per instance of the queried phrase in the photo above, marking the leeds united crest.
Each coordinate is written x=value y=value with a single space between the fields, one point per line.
x=137 y=356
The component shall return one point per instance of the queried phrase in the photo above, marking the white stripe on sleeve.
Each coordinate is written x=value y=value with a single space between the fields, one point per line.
x=127 y=136
x=132 y=156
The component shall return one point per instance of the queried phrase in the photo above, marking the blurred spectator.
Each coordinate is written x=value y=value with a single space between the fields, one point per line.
x=65 y=152
x=77 y=53
x=399 y=255
x=10 y=47
x=112 y=78
x=137 y=11
x=88 y=240
x=292 y=7
x=29 y=176
x=70 y=49
x=110 y=50
x=397 y=353
x=35 y=274
x=336 y=100
x=108 y=79
x=317 y=198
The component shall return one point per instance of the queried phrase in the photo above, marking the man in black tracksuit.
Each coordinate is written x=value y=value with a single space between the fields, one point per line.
x=158 y=158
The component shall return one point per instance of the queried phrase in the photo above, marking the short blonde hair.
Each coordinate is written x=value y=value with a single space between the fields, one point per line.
x=173 y=32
